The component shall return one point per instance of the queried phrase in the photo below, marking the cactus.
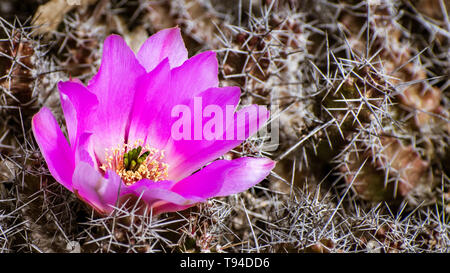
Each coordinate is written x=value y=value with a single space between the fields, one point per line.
x=358 y=89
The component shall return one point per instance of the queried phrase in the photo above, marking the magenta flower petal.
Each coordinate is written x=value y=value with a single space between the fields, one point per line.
x=78 y=105
x=195 y=75
x=166 y=43
x=85 y=150
x=160 y=90
x=114 y=86
x=162 y=207
x=160 y=197
x=150 y=116
x=98 y=191
x=224 y=177
x=186 y=160
x=178 y=151
x=152 y=192
x=54 y=147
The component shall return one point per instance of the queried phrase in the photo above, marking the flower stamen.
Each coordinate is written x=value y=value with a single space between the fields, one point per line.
x=132 y=166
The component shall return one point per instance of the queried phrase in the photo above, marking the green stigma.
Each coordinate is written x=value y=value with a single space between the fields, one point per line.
x=133 y=159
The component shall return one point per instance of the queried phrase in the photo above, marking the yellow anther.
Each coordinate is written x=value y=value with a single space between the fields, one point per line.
x=152 y=168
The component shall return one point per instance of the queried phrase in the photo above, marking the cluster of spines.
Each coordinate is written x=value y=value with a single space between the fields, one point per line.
x=328 y=110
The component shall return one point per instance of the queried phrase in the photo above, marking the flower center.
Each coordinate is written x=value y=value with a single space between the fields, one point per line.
x=135 y=162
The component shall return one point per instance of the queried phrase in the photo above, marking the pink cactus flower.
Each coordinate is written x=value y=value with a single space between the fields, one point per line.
x=120 y=142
